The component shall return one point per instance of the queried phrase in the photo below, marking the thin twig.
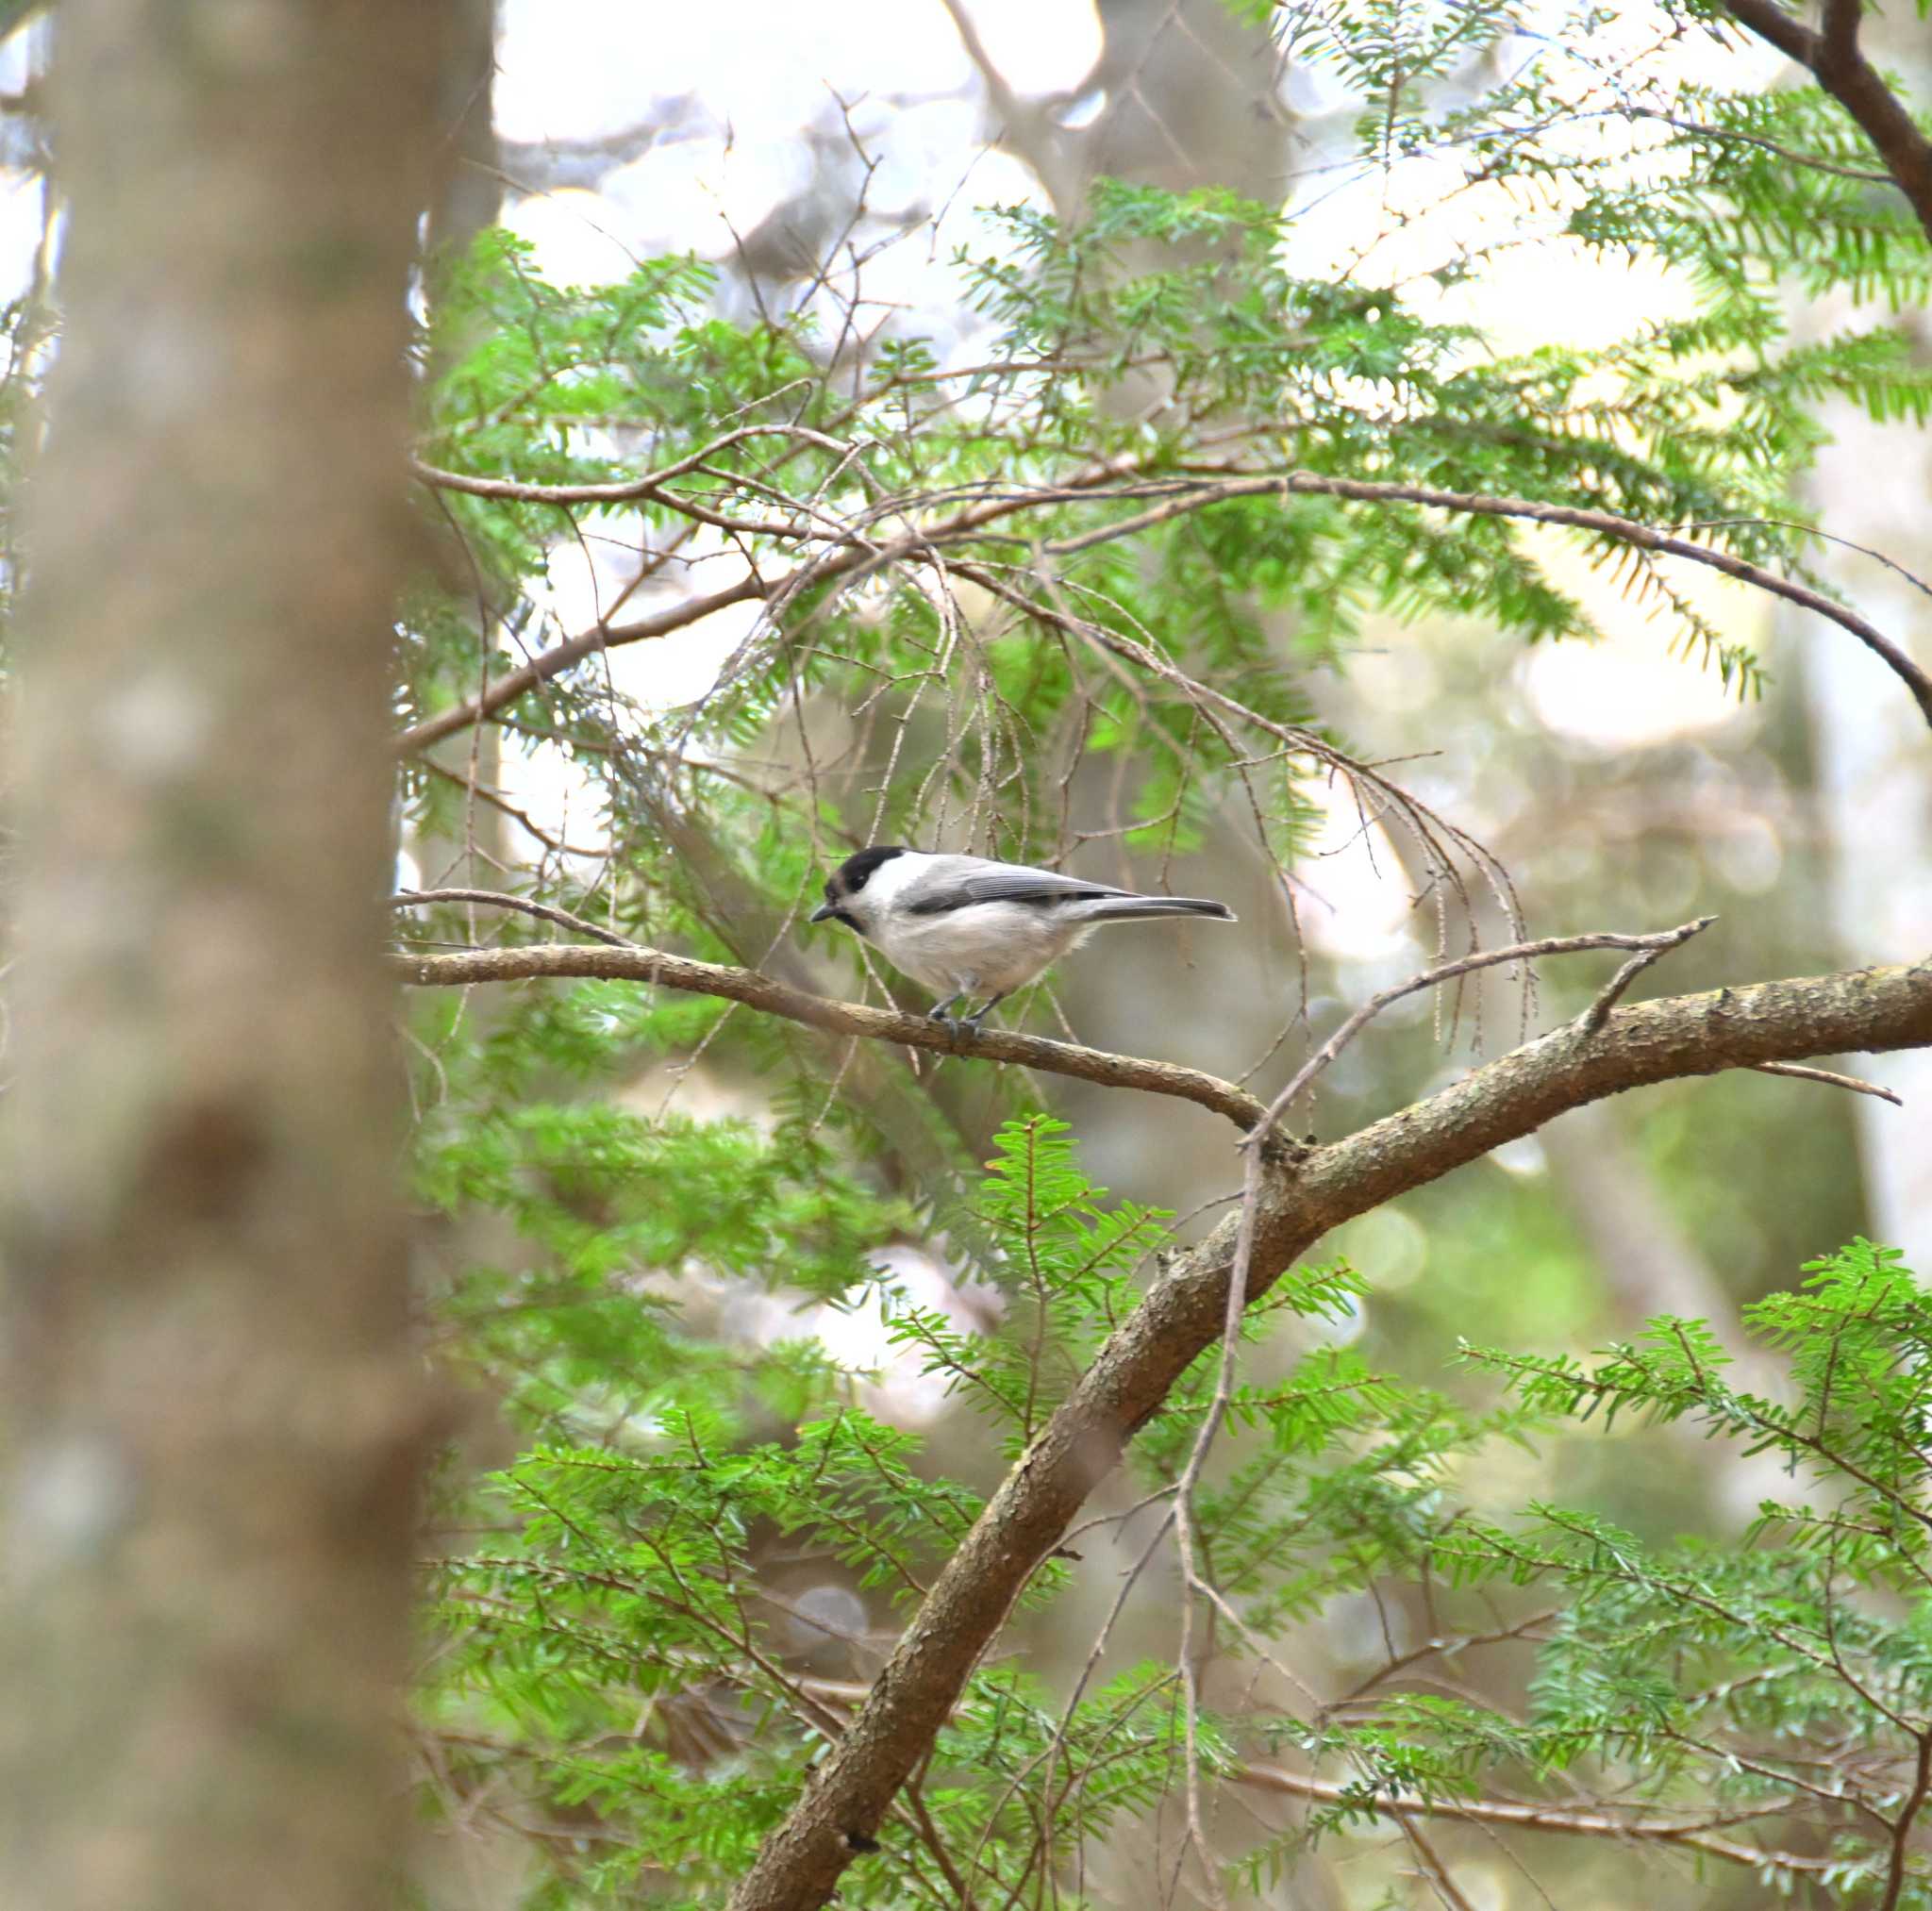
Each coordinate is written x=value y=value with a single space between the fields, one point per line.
x=1603 y=523
x=1865 y=176
x=624 y=490
x=1832 y=1079
x=1433 y=1868
x=523 y=819
x=848 y=556
x=1530 y=1817
x=420 y=899
x=1650 y=947
x=1594 y=1016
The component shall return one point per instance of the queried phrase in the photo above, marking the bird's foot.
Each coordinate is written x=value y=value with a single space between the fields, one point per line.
x=973 y=1022
x=962 y=1024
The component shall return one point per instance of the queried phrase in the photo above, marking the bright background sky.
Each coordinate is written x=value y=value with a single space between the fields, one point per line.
x=753 y=93
x=571 y=70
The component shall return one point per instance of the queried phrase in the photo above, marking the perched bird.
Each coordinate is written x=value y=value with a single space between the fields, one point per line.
x=966 y=926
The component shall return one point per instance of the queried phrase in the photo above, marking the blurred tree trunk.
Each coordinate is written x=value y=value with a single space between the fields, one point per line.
x=469 y=192
x=1871 y=788
x=1185 y=96
x=213 y=1413
x=469 y=199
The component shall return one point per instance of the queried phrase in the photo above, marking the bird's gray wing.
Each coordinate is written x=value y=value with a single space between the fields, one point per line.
x=959 y=882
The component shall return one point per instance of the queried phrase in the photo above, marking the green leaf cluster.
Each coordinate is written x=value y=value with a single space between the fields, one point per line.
x=620 y=1653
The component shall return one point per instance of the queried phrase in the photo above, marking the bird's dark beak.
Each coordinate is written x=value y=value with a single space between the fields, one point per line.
x=824 y=912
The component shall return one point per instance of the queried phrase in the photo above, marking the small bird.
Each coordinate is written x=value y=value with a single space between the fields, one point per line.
x=966 y=926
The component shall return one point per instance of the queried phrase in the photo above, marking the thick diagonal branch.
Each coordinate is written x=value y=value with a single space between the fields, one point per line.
x=1306 y=1194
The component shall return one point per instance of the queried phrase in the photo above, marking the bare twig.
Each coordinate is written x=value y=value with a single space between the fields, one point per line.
x=1832 y=1079
x=1690 y=1836
x=1592 y=1018
x=624 y=490
x=521 y=817
x=423 y=899
x=1650 y=948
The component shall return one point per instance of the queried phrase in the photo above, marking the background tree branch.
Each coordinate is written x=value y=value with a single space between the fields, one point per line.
x=850 y=552
x=1836 y=60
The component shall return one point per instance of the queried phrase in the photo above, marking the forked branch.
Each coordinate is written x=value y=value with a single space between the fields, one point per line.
x=1833 y=58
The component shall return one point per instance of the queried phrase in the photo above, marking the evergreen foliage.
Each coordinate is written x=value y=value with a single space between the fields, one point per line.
x=614 y=1663
x=1081 y=560
x=953 y=568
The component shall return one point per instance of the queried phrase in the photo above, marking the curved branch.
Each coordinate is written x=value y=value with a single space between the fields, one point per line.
x=625 y=490
x=1532 y=510
x=563 y=656
x=1306 y=1194
x=495 y=898
x=895 y=1025
x=1531 y=1818
x=627 y=961
x=850 y=555
x=825 y=568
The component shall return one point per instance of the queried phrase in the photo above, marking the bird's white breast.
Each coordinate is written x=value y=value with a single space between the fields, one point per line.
x=984 y=950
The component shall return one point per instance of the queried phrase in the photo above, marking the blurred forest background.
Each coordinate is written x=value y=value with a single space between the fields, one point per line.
x=739 y=240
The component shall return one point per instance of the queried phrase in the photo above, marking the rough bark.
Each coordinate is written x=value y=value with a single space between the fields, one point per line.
x=213 y=1413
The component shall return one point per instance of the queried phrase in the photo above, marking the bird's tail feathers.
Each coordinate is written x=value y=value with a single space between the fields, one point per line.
x=1140 y=909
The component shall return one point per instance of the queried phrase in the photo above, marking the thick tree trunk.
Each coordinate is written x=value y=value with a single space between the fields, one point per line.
x=213 y=1413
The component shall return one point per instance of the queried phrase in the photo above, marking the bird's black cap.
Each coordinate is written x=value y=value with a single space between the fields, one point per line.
x=851 y=876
